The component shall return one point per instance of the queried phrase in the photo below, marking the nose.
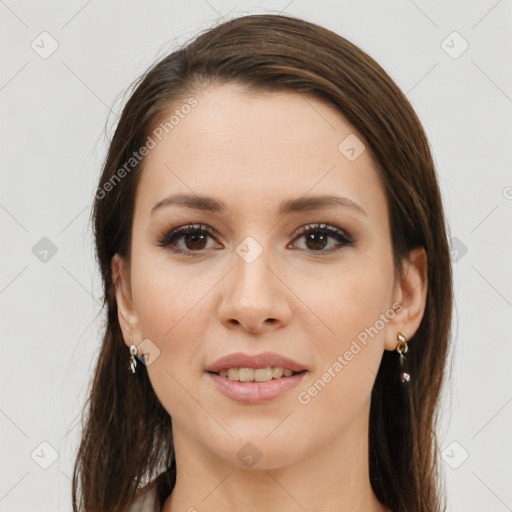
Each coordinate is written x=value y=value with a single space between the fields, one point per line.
x=254 y=297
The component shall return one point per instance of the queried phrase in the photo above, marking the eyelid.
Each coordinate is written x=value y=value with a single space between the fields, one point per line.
x=175 y=232
x=321 y=226
x=343 y=238
x=340 y=235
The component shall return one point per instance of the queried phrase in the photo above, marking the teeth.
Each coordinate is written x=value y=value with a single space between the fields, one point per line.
x=263 y=374
x=277 y=372
x=245 y=374
x=258 y=374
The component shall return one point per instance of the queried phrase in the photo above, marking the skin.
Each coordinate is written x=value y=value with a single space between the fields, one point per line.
x=252 y=151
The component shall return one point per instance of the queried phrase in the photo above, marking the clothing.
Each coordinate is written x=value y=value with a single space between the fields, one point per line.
x=144 y=502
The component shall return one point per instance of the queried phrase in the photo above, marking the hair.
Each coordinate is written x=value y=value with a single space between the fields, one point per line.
x=126 y=432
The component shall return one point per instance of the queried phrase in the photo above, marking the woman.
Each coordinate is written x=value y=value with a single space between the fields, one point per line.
x=277 y=281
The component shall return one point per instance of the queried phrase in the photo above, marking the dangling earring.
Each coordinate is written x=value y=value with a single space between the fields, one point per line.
x=402 y=349
x=133 y=353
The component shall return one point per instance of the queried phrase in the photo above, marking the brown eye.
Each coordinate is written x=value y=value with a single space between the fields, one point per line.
x=193 y=238
x=195 y=242
x=316 y=238
x=316 y=241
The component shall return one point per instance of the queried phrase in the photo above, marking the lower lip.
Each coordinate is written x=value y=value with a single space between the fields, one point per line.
x=256 y=392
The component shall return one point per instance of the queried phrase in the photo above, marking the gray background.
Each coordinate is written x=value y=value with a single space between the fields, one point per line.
x=54 y=111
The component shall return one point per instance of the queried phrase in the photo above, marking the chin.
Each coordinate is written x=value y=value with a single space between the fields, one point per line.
x=259 y=451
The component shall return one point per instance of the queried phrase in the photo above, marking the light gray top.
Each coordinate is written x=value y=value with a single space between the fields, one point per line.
x=144 y=502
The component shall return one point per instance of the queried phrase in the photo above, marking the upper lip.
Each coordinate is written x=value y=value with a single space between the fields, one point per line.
x=263 y=360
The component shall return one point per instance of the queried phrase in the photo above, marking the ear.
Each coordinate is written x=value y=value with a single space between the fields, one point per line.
x=125 y=307
x=411 y=293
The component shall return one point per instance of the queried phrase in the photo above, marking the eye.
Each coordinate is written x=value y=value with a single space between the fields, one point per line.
x=193 y=236
x=316 y=238
x=194 y=239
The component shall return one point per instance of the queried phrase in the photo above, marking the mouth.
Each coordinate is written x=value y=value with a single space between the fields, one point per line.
x=255 y=378
x=252 y=386
x=265 y=374
x=247 y=367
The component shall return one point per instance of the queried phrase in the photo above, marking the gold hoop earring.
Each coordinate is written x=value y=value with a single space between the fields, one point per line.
x=402 y=349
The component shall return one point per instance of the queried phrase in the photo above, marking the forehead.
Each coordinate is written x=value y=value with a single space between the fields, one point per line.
x=250 y=149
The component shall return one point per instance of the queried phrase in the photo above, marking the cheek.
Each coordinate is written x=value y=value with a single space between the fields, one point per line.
x=167 y=296
x=172 y=312
x=355 y=307
x=354 y=295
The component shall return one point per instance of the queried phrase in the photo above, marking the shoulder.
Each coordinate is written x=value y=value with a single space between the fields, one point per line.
x=145 y=499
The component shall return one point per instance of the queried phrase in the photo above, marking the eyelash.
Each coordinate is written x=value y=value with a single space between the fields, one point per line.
x=171 y=236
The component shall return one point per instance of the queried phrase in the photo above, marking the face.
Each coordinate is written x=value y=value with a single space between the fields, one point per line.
x=263 y=268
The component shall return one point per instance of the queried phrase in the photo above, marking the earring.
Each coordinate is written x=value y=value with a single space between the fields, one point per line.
x=402 y=349
x=133 y=361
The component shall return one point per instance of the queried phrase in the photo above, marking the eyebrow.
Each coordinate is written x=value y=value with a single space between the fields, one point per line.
x=301 y=204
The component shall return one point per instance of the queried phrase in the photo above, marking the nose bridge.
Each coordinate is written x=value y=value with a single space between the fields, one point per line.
x=252 y=281
x=253 y=295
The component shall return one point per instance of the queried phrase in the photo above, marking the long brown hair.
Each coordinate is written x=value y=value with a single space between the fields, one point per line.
x=127 y=433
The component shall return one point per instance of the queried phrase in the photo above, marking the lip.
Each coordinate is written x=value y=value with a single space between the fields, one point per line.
x=241 y=360
x=255 y=392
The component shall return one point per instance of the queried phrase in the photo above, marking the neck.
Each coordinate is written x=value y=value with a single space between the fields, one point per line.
x=334 y=478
